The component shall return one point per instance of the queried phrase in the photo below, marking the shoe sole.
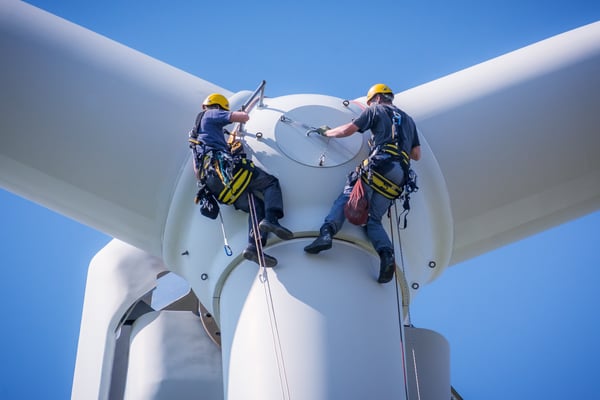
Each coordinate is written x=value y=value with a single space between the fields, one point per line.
x=386 y=275
x=270 y=262
x=317 y=249
x=279 y=231
x=385 y=279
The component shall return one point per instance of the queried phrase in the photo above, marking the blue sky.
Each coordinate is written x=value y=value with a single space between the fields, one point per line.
x=522 y=320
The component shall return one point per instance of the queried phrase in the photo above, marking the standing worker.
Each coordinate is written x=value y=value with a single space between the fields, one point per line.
x=391 y=150
x=231 y=178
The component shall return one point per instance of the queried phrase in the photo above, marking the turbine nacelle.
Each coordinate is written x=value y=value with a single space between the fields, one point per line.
x=312 y=170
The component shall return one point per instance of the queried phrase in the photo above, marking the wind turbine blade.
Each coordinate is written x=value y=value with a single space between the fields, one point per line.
x=517 y=139
x=87 y=130
x=90 y=128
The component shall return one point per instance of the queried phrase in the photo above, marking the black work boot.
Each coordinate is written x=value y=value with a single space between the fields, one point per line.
x=250 y=253
x=273 y=226
x=322 y=242
x=387 y=265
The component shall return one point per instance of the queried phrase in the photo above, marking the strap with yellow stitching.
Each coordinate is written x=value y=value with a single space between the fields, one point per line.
x=232 y=191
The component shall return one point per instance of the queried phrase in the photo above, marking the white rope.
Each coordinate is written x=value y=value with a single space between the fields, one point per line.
x=416 y=374
x=401 y=278
x=256 y=232
x=402 y=346
x=264 y=278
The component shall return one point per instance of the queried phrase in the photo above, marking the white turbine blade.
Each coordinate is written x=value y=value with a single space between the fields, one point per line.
x=87 y=129
x=87 y=125
x=517 y=139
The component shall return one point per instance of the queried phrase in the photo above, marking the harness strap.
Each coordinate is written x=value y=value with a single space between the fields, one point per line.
x=382 y=185
x=394 y=151
x=379 y=183
x=233 y=189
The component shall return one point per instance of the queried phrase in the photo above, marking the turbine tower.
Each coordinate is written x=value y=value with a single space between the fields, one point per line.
x=169 y=314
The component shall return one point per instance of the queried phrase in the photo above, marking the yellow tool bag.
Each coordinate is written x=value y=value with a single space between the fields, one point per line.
x=227 y=180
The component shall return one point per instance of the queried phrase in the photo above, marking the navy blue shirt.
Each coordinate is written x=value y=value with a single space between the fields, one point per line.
x=210 y=131
x=378 y=119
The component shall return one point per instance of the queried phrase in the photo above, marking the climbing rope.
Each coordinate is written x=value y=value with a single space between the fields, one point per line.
x=398 y=296
x=416 y=374
x=400 y=278
x=263 y=277
x=256 y=232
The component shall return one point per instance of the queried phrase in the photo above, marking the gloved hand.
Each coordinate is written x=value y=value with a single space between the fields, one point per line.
x=322 y=129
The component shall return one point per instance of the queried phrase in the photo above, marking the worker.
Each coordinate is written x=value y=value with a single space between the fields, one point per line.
x=389 y=157
x=215 y=167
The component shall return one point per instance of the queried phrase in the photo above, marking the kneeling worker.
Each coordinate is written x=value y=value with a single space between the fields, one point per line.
x=213 y=160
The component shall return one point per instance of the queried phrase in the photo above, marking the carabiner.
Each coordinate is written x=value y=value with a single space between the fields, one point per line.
x=226 y=247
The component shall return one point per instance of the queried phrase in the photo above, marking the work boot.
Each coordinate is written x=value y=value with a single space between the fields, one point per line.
x=322 y=242
x=250 y=253
x=273 y=226
x=387 y=265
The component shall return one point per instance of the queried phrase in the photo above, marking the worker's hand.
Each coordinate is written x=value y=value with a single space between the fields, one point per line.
x=322 y=129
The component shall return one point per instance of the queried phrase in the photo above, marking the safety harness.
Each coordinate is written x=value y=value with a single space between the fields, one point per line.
x=226 y=175
x=377 y=181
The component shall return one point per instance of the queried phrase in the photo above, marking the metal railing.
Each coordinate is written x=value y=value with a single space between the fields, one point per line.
x=251 y=103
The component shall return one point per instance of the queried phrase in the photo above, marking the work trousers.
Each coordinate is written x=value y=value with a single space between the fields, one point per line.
x=378 y=205
x=268 y=199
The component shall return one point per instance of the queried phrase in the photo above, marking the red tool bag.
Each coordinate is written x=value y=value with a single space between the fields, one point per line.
x=356 y=209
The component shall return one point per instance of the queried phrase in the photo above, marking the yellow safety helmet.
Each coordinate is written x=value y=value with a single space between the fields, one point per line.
x=378 y=88
x=216 y=98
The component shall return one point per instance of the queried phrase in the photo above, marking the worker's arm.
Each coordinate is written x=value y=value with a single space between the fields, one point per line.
x=342 y=130
x=195 y=166
x=415 y=153
x=239 y=116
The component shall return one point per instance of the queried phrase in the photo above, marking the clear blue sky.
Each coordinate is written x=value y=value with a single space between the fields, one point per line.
x=522 y=321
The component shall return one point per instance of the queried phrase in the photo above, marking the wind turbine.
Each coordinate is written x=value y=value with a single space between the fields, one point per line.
x=142 y=197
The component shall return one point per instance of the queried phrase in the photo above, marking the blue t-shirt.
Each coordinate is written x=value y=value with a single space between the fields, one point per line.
x=210 y=131
x=378 y=119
